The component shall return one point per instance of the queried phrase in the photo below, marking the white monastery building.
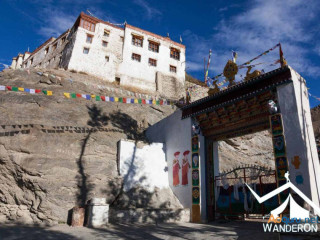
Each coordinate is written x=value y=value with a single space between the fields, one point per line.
x=126 y=55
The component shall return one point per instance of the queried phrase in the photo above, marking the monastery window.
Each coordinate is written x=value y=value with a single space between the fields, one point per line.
x=104 y=44
x=136 y=57
x=63 y=40
x=85 y=50
x=106 y=33
x=173 y=69
x=175 y=53
x=89 y=38
x=137 y=40
x=87 y=25
x=152 y=62
x=107 y=58
x=54 y=47
x=154 y=46
x=121 y=39
x=117 y=80
x=46 y=51
x=31 y=61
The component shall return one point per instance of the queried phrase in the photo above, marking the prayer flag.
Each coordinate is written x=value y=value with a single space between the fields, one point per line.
x=78 y=95
x=103 y=98
x=98 y=98
x=67 y=95
x=38 y=91
x=27 y=90
x=21 y=89
x=88 y=97
x=84 y=96
x=107 y=99
x=116 y=99
x=2 y=88
x=73 y=95
x=32 y=91
x=9 y=88
x=111 y=99
x=15 y=89
x=132 y=100
x=143 y=101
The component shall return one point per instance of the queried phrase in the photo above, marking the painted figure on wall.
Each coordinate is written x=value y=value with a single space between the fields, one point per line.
x=175 y=169
x=185 y=168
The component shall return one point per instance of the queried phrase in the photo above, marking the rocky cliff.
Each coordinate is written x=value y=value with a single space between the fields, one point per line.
x=55 y=152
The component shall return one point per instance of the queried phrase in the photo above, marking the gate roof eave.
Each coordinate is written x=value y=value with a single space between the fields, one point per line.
x=243 y=90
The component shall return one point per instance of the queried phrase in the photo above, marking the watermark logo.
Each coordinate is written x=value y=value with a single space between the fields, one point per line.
x=299 y=219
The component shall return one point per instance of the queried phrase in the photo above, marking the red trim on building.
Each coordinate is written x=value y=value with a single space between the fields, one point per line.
x=156 y=36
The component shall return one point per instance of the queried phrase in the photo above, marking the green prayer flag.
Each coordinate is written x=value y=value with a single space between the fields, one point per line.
x=15 y=89
x=98 y=98
x=73 y=95
x=158 y=102
x=120 y=99
x=139 y=100
x=45 y=92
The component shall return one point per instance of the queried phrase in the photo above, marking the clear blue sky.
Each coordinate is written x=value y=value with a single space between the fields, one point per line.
x=248 y=27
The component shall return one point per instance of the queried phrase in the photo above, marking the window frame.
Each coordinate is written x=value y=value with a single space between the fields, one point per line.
x=83 y=51
x=134 y=55
x=155 y=44
x=107 y=58
x=175 y=53
x=89 y=36
x=87 y=25
x=171 y=67
x=106 y=33
x=106 y=43
x=151 y=61
x=136 y=43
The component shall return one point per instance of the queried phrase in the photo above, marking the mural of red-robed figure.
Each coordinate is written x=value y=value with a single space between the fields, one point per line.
x=185 y=168
x=175 y=169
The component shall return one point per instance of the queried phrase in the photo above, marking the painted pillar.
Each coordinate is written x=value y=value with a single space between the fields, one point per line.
x=301 y=148
x=195 y=146
x=280 y=154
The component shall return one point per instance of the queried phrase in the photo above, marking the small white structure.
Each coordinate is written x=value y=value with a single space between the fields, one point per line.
x=98 y=213
x=126 y=55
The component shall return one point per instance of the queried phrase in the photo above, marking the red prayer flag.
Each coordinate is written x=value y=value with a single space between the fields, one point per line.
x=124 y=100
x=78 y=95
x=161 y=102
x=9 y=88
x=143 y=101
x=103 y=98
x=38 y=91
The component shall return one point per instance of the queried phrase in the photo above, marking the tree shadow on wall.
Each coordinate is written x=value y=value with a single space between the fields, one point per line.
x=97 y=120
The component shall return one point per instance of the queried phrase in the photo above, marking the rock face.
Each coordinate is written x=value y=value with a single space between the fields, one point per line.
x=250 y=149
x=56 y=153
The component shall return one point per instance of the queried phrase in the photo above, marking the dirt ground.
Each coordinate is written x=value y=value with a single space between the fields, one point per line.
x=217 y=231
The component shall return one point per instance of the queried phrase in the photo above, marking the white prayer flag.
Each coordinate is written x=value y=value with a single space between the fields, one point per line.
x=32 y=91
x=2 y=88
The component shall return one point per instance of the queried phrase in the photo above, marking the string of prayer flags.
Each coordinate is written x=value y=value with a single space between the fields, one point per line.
x=27 y=90
x=120 y=99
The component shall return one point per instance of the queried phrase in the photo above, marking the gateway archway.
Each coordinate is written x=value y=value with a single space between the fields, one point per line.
x=236 y=111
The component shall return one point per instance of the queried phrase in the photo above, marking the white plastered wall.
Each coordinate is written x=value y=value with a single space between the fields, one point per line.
x=299 y=136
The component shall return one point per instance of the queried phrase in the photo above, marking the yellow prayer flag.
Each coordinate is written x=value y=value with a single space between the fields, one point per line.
x=154 y=102
x=49 y=93
x=21 y=89
x=136 y=100
x=93 y=96
x=67 y=95
x=116 y=99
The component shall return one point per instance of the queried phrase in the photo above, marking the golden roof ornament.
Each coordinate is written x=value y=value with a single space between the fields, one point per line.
x=252 y=75
x=230 y=71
